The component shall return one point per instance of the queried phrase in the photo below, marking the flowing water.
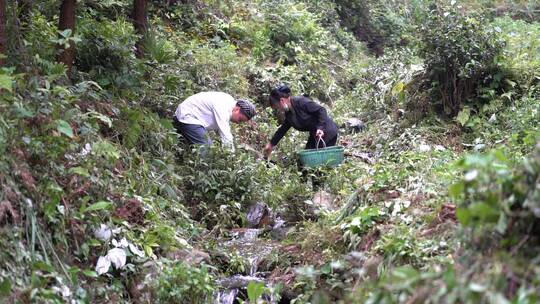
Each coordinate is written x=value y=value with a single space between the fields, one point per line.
x=226 y=296
x=245 y=243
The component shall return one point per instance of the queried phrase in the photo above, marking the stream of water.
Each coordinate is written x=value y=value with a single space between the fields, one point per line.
x=253 y=250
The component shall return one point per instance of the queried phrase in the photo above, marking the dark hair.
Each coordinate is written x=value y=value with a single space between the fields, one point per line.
x=281 y=91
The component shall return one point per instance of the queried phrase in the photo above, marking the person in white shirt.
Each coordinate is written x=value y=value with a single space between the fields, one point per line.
x=210 y=111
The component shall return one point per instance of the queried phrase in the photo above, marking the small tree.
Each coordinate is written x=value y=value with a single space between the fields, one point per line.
x=140 y=24
x=459 y=53
x=3 y=39
x=67 y=22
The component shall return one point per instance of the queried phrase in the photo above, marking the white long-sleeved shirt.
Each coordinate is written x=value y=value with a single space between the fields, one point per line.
x=212 y=110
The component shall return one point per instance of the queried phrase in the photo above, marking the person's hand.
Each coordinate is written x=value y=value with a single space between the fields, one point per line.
x=268 y=150
x=319 y=133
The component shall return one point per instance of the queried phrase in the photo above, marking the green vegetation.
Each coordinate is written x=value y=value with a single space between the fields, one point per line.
x=437 y=200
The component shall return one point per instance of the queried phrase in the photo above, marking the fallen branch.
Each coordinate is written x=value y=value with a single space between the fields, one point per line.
x=364 y=156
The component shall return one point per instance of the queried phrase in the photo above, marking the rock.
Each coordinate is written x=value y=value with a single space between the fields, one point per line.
x=371 y=267
x=323 y=201
x=279 y=231
x=191 y=257
x=424 y=148
x=479 y=147
x=259 y=216
x=246 y=234
x=354 y=125
x=139 y=287
x=238 y=281
x=440 y=148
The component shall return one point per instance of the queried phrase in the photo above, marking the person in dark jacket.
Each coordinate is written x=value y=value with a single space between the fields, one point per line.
x=303 y=114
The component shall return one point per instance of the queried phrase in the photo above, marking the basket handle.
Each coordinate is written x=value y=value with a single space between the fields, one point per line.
x=318 y=141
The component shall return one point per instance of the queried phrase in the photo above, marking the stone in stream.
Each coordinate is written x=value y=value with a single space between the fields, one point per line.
x=259 y=216
x=139 y=285
x=238 y=281
x=310 y=209
x=279 y=231
x=191 y=257
x=354 y=125
x=322 y=201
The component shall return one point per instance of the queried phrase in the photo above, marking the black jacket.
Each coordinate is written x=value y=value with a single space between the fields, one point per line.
x=305 y=115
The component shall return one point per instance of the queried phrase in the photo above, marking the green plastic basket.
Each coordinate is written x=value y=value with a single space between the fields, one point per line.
x=329 y=156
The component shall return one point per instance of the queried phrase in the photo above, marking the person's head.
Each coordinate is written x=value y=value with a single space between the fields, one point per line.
x=243 y=111
x=280 y=97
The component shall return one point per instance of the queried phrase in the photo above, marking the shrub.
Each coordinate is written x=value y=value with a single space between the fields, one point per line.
x=105 y=53
x=181 y=283
x=459 y=52
x=210 y=67
x=307 y=55
x=495 y=198
x=218 y=186
x=521 y=55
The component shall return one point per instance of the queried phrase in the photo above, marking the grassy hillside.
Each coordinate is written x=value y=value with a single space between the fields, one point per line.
x=436 y=202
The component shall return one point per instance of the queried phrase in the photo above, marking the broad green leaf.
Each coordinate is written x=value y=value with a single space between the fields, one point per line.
x=456 y=190
x=64 y=128
x=105 y=119
x=255 y=291
x=22 y=111
x=463 y=116
x=463 y=215
x=510 y=82
x=502 y=224
x=148 y=250
x=90 y=273
x=65 y=33
x=80 y=171
x=101 y=205
x=6 y=82
x=40 y=265
x=405 y=272
x=5 y=288
x=106 y=149
x=398 y=88
x=485 y=212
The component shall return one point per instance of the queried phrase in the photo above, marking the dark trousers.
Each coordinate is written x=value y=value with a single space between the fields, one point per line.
x=192 y=134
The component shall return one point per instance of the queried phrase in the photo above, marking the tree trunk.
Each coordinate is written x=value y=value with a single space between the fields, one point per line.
x=3 y=38
x=67 y=21
x=140 y=25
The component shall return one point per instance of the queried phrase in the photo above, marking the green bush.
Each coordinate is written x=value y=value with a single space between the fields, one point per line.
x=459 y=52
x=204 y=67
x=145 y=131
x=521 y=55
x=494 y=197
x=39 y=36
x=182 y=283
x=105 y=53
x=219 y=186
